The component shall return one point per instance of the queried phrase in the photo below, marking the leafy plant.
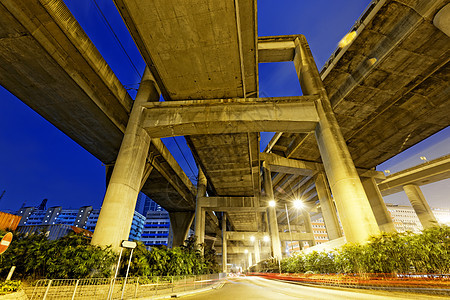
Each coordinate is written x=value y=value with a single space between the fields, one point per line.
x=9 y=286
x=428 y=252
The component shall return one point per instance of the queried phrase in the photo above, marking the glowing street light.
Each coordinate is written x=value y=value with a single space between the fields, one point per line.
x=272 y=203
x=266 y=238
x=298 y=204
x=245 y=251
x=347 y=39
x=252 y=238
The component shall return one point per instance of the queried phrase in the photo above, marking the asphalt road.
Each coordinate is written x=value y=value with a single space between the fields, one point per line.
x=260 y=288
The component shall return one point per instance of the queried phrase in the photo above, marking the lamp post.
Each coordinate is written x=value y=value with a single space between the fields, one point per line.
x=289 y=226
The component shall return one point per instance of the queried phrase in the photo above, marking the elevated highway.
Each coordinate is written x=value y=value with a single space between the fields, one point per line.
x=49 y=63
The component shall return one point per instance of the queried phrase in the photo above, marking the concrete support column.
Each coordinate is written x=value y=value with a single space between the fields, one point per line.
x=327 y=206
x=271 y=212
x=308 y=225
x=376 y=201
x=256 y=249
x=420 y=205
x=442 y=19
x=224 y=243
x=117 y=210
x=180 y=222
x=199 y=229
x=250 y=262
x=352 y=204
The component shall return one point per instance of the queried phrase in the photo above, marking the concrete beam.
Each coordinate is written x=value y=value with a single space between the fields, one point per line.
x=290 y=166
x=219 y=116
x=226 y=203
x=284 y=236
x=429 y=172
x=275 y=51
x=168 y=157
x=306 y=168
x=241 y=250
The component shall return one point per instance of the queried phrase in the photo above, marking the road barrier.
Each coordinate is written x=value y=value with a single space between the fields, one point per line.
x=427 y=283
x=110 y=288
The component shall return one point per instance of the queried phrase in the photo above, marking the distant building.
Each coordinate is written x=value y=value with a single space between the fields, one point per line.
x=320 y=231
x=405 y=218
x=85 y=217
x=156 y=229
x=136 y=226
x=52 y=231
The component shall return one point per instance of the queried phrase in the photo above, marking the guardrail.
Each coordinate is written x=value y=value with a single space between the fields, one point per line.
x=427 y=283
x=110 y=288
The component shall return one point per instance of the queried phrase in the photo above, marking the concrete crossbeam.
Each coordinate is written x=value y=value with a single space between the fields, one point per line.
x=193 y=117
x=241 y=250
x=290 y=166
x=275 y=51
x=284 y=236
x=306 y=168
x=226 y=203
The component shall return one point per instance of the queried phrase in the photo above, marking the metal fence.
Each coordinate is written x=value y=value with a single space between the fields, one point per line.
x=107 y=288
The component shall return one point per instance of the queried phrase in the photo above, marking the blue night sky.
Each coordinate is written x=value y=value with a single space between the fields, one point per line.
x=38 y=161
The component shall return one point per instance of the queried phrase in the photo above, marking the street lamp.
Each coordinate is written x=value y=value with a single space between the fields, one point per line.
x=266 y=238
x=298 y=204
x=245 y=251
x=252 y=238
x=272 y=203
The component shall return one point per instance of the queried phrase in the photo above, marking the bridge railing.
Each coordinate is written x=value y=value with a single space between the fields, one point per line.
x=119 y=288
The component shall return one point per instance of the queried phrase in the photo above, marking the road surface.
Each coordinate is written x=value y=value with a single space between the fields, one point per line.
x=260 y=288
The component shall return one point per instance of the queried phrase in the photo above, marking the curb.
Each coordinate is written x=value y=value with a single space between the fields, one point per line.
x=182 y=294
x=414 y=290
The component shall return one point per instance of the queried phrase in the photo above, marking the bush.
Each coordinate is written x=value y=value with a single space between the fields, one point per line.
x=9 y=286
x=69 y=257
x=428 y=252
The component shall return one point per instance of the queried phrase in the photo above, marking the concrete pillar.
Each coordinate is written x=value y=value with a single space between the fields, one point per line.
x=180 y=222
x=327 y=206
x=420 y=205
x=117 y=210
x=250 y=262
x=199 y=229
x=224 y=243
x=352 y=204
x=256 y=249
x=442 y=19
x=382 y=215
x=271 y=212
x=308 y=226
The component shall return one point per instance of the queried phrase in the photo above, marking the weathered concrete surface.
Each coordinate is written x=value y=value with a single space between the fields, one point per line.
x=48 y=62
x=386 y=105
x=116 y=216
x=175 y=118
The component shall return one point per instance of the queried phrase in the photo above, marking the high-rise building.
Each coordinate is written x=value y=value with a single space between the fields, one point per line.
x=405 y=218
x=156 y=229
x=85 y=217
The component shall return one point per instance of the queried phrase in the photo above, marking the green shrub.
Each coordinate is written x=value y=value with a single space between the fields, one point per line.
x=9 y=286
x=427 y=252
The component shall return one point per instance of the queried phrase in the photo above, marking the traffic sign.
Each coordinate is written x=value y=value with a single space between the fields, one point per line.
x=6 y=240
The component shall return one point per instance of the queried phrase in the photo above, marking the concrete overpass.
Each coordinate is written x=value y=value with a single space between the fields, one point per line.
x=376 y=97
x=48 y=62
